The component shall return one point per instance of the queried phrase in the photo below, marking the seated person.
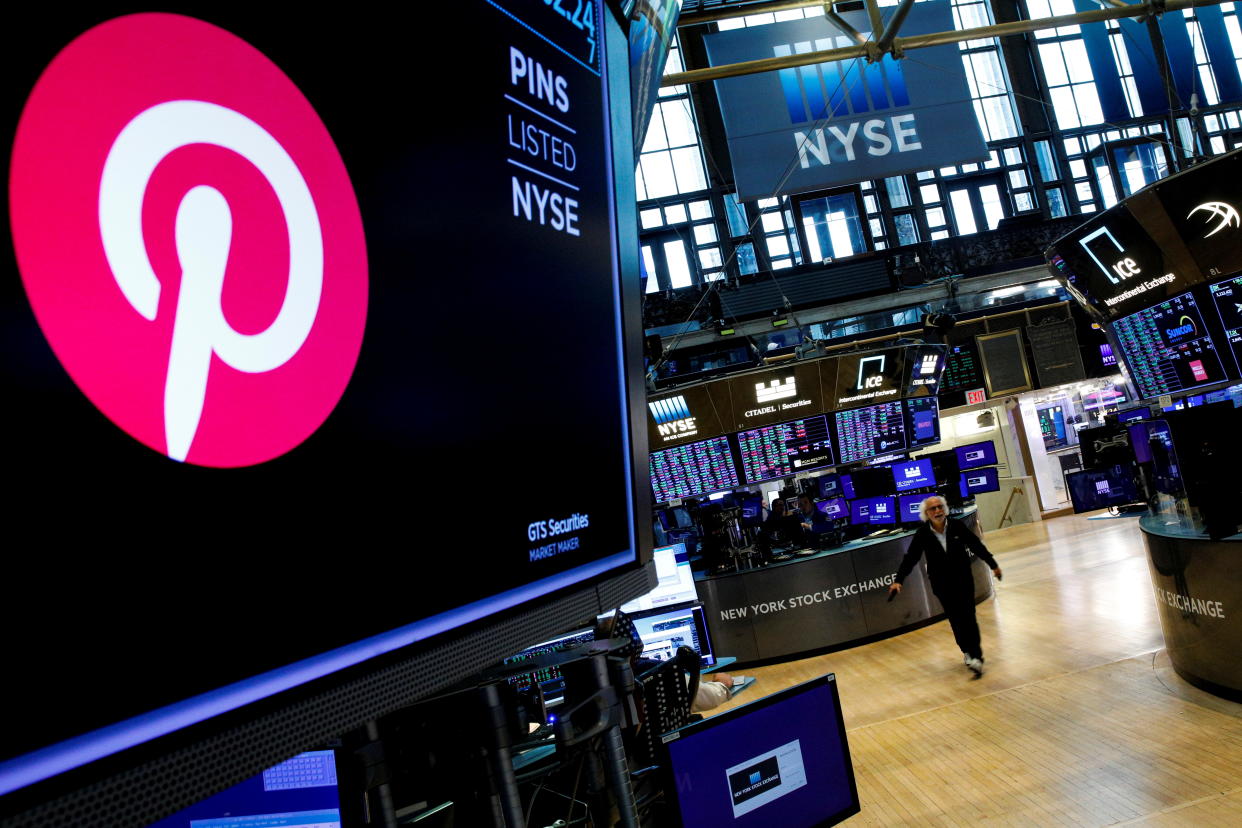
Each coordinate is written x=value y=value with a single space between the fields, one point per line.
x=779 y=529
x=812 y=520
x=711 y=693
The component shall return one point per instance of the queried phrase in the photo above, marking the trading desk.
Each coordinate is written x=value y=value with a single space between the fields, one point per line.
x=829 y=599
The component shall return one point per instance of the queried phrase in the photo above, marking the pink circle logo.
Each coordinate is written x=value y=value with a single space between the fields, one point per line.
x=189 y=239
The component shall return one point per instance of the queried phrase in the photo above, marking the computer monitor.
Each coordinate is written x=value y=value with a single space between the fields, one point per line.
x=978 y=481
x=829 y=485
x=549 y=679
x=873 y=510
x=1132 y=414
x=782 y=760
x=847 y=486
x=909 y=507
x=976 y=454
x=300 y=792
x=674 y=581
x=751 y=506
x=663 y=631
x=834 y=508
x=915 y=474
x=1091 y=490
x=874 y=482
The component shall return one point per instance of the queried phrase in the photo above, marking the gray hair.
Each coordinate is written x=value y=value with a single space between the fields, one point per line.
x=927 y=502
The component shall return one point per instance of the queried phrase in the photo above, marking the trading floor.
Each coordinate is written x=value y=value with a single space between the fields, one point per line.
x=1079 y=719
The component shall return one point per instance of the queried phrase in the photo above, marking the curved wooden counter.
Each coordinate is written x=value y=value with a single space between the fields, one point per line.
x=825 y=600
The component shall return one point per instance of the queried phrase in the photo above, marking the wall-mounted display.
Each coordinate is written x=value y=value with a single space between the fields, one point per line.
x=871 y=377
x=1227 y=296
x=785 y=449
x=692 y=469
x=777 y=395
x=687 y=415
x=1167 y=348
x=866 y=432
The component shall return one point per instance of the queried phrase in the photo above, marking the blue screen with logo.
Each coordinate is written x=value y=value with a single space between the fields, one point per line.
x=910 y=506
x=873 y=510
x=836 y=507
x=913 y=475
x=976 y=454
x=922 y=421
x=978 y=481
x=781 y=761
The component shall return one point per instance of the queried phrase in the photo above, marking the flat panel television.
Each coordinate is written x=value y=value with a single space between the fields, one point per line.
x=847 y=486
x=310 y=383
x=829 y=484
x=674 y=581
x=867 y=432
x=692 y=469
x=873 y=510
x=872 y=482
x=782 y=760
x=785 y=449
x=922 y=421
x=1132 y=414
x=978 y=481
x=301 y=792
x=909 y=507
x=1168 y=348
x=974 y=455
x=834 y=508
x=1092 y=490
x=915 y=474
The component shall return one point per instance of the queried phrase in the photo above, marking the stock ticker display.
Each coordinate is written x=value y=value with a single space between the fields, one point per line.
x=866 y=432
x=1227 y=296
x=785 y=449
x=1168 y=348
x=695 y=468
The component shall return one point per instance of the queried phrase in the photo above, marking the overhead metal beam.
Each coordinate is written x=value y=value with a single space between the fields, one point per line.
x=751 y=67
x=885 y=41
x=734 y=10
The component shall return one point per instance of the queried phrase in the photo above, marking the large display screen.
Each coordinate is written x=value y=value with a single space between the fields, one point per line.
x=1227 y=296
x=872 y=377
x=974 y=455
x=866 y=432
x=692 y=469
x=913 y=475
x=1168 y=348
x=266 y=278
x=1091 y=490
x=963 y=370
x=785 y=449
x=880 y=510
x=782 y=760
x=922 y=421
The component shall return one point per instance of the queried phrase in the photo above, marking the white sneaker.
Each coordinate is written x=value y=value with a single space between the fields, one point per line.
x=975 y=665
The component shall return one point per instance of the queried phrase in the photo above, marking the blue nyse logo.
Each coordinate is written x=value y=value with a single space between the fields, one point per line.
x=839 y=88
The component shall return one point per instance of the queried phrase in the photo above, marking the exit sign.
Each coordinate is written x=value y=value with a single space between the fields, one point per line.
x=976 y=396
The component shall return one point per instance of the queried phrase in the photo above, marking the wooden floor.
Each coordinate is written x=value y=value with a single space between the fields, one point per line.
x=1079 y=720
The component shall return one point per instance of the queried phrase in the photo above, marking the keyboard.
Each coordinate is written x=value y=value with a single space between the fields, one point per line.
x=315 y=769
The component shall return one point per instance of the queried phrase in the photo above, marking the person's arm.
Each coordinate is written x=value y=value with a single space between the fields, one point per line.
x=913 y=553
x=975 y=545
x=712 y=693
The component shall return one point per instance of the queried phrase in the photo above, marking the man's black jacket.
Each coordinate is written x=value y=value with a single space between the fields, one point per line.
x=945 y=568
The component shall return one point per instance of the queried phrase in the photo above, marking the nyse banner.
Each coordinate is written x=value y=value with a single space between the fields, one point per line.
x=811 y=127
x=688 y=415
x=869 y=378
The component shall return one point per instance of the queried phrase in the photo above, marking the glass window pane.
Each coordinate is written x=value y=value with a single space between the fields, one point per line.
x=709 y=257
x=691 y=176
x=1024 y=202
x=650 y=218
x=963 y=215
x=935 y=217
x=678 y=265
x=655 y=139
x=714 y=276
x=877 y=228
x=1056 y=202
x=778 y=246
x=1054 y=66
x=1083 y=190
x=1078 y=168
x=736 y=215
x=1017 y=179
x=815 y=252
x=1064 y=108
x=1088 y=101
x=658 y=175
x=1076 y=61
x=1073 y=146
x=1013 y=155
x=907 y=229
x=898 y=192
x=653 y=284
x=677 y=122
x=930 y=193
x=700 y=209
x=871 y=203
x=781 y=264
x=940 y=234
x=771 y=222
x=746 y=262
x=675 y=213
x=704 y=233
x=993 y=206
x=1047 y=164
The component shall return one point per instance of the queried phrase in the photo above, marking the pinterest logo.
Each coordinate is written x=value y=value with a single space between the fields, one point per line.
x=189 y=239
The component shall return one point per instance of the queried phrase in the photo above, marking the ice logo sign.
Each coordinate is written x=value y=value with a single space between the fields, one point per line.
x=1224 y=215
x=206 y=281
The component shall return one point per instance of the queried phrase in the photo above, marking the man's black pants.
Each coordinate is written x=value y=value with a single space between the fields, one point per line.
x=959 y=605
